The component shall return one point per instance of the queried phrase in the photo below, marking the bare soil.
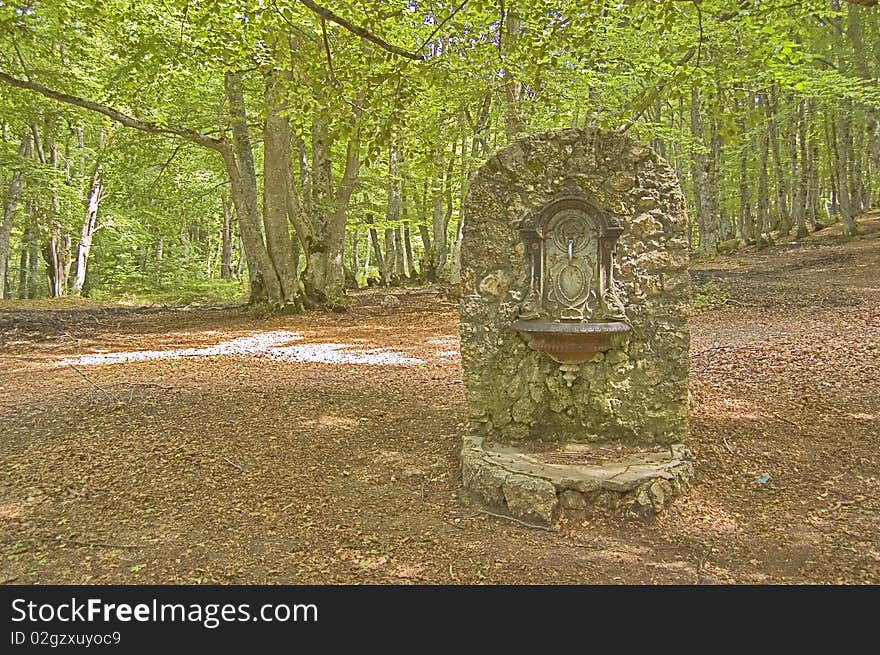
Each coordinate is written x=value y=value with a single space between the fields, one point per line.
x=218 y=446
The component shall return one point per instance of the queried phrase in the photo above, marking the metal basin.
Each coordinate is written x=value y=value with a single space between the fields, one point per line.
x=570 y=342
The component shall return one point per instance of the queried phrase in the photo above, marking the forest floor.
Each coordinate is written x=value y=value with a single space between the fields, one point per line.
x=215 y=446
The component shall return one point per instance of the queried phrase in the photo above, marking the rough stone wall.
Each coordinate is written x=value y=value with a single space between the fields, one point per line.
x=638 y=390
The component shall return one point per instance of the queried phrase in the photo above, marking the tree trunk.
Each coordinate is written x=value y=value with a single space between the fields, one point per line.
x=239 y=161
x=860 y=157
x=513 y=90
x=813 y=160
x=58 y=248
x=367 y=257
x=783 y=218
x=438 y=223
x=744 y=222
x=33 y=258
x=831 y=206
x=718 y=220
x=843 y=147
x=388 y=277
x=58 y=260
x=427 y=266
x=23 y=262
x=393 y=273
x=324 y=275
x=700 y=179
x=88 y=230
x=763 y=211
x=408 y=250
x=411 y=268
x=226 y=256
x=857 y=187
x=803 y=194
x=794 y=179
x=10 y=206
x=355 y=253
x=399 y=257
x=377 y=250
x=467 y=160
x=276 y=177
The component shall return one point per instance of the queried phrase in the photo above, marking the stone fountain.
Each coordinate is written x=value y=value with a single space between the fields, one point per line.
x=574 y=328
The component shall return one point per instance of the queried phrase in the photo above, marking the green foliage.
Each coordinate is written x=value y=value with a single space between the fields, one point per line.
x=708 y=296
x=183 y=291
x=605 y=63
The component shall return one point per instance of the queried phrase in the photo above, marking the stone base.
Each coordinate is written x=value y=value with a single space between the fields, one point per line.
x=611 y=479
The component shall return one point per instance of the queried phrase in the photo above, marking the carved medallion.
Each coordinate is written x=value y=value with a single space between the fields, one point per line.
x=571 y=254
x=570 y=251
x=571 y=283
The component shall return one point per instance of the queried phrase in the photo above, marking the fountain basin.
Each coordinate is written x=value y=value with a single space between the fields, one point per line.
x=570 y=342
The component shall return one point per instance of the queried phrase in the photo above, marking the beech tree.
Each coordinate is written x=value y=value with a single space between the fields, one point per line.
x=310 y=146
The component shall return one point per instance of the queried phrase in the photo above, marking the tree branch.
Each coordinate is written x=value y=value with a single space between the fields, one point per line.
x=442 y=23
x=118 y=116
x=326 y=14
x=327 y=48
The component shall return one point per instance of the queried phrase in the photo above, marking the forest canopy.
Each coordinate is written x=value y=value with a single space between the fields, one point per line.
x=290 y=150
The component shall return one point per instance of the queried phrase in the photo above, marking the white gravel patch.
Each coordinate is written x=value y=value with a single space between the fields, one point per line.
x=273 y=345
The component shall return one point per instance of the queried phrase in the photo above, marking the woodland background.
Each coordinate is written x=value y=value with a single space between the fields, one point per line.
x=175 y=150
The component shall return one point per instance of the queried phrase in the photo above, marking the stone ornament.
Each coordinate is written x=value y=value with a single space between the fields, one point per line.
x=570 y=245
x=575 y=292
x=573 y=319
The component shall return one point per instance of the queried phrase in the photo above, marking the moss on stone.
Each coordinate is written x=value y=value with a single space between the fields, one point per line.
x=638 y=390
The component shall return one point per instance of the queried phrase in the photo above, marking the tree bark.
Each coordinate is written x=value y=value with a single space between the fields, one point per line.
x=763 y=212
x=857 y=188
x=861 y=155
x=467 y=160
x=408 y=251
x=351 y=250
x=399 y=256
x=803 y=195
x=239 y=161
x=33 y=256
x=276 y=179
x=393 y=271
x=783 y=217
x=513 y=89
x=367 y=258
x=744 y=222
x=377 y=250
x=411 y=268
x=438 y=223
x=226 y=256
x=58 y=248
x=23 y=262
x=843 y=144
x=324 y=275
x=388 y=277
x=58 y=260
x=813 y=162
x=718 y=221
x=843 y=147
x=87 y=231
x=426 y=268
x=10 y=206
x=700 y=178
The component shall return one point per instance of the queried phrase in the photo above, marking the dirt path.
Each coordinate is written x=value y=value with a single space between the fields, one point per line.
x=214 y=446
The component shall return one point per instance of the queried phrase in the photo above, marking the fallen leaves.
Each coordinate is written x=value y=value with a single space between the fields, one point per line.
x=238 y=469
